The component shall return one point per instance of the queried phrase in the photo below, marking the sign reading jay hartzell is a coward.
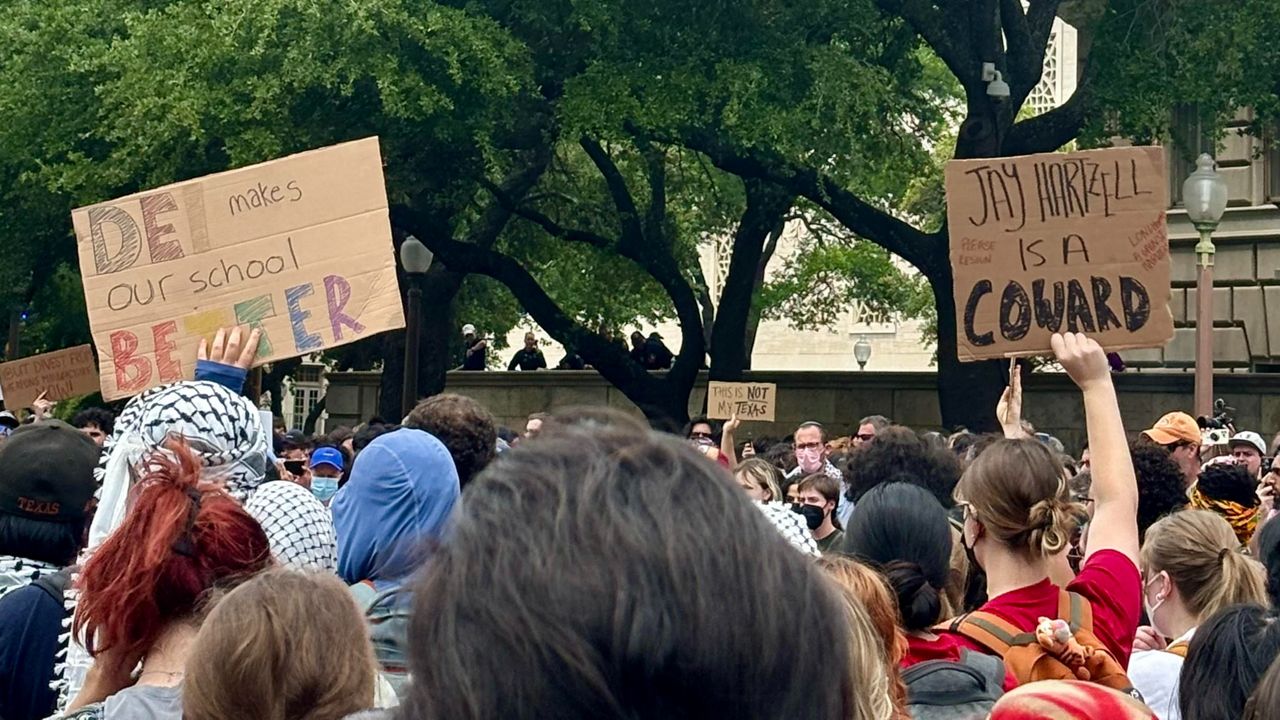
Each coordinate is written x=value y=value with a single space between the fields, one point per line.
x=1059 y=242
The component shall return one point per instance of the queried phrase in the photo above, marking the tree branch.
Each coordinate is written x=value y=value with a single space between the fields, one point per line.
x=1027 y=34
x=1051 y=130
x=628 y=215
x=854 y=213
x=932 y=25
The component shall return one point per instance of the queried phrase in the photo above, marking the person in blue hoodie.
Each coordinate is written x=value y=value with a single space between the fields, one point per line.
x=388 y=516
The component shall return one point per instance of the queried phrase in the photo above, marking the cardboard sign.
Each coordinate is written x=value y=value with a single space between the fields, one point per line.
x=59 y=375
x=749 y=401
x=1071 y=242
x=299 y=247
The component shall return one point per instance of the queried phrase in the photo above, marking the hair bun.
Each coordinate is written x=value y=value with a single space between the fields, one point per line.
x=919 y=603
x=1049 y=526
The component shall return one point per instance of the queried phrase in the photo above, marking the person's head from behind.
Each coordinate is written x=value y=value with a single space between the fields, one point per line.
x=367 y=433
x=1161 y=484
x=400 y=497
x=285 y=644
x=1192 y=567
x=1266 y=696
x=180 y=539
x=46 y=485
x=1228 y=490
x=625 y=607
x=867 y=593
x=868 y=428
x=1228 y=656
x=1016 y=502
x=899 y=455
x=810 y=445
x=759 y=480
x=463 y=425
x=903 y=531
x=95 y=422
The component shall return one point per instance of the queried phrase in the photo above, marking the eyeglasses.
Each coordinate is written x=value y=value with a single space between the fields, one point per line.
x=810 y=446
x=699 y=436
x=865 y=437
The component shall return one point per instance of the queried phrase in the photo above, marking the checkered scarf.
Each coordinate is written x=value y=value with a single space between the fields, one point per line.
x=17 y=573
x=219 y=426
x=298 y=526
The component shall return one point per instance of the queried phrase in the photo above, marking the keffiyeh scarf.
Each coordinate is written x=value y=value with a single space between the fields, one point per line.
x=17 y=573
x=298 y=526
x=219 y=426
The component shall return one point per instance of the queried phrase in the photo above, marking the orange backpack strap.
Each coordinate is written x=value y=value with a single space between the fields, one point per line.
x=991 y=631
x=1179 y=648
x=1076 y=610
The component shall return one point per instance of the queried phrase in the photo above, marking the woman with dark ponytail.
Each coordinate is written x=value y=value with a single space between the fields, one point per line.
x=903 y=531
x=141 y=592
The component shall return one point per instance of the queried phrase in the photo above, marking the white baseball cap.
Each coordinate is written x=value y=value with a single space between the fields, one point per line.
x=1249 y=438
x=468 y=329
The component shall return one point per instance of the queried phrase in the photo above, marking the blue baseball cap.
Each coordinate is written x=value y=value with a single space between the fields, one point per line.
x=326 y=456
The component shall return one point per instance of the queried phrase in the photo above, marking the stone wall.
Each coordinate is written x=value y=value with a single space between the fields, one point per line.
x=837 y=399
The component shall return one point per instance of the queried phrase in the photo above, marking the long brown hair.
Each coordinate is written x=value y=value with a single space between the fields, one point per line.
x=1017 y=491
x=286 y=645
x=1199 y=550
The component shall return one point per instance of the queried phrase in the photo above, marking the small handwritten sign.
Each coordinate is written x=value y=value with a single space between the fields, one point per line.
x=59 y=375
x=749 y=401
x=299 y=247
x=1059 y=242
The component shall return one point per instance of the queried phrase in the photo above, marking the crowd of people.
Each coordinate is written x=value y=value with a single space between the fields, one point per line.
x=182 y=560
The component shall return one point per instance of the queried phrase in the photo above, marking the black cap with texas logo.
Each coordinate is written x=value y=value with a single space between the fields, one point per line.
x=46 y=472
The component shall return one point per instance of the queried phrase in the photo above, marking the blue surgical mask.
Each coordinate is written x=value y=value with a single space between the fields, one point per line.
x=324 y=488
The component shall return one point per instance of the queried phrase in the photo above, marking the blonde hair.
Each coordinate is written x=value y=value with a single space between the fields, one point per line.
x=1200 y=552
x=1017 y=491
x=762 y=474
x=874 y=614
x=286 y=645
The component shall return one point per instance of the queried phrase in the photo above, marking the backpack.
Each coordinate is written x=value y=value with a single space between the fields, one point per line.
x=1179 y=648
x=388 y=619
x=966 y=689
x=1062 y=648
x=54 y=585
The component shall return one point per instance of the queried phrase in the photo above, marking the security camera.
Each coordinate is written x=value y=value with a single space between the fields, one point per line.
x=997 y=88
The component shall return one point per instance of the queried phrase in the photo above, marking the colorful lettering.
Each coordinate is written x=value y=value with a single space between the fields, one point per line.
x=337 y=292
x=130 y=244
x=160 y=249
x=167 y=367
x=302 y=340
x=252 y=313
x=124 y=345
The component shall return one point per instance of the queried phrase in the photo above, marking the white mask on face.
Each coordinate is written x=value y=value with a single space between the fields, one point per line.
x=1153 y=607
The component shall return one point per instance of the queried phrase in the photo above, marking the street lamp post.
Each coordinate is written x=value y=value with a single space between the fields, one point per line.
x=1204 y=194
x=415 y=258
x=862 y=352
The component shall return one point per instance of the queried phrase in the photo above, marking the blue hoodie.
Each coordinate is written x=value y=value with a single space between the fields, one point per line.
x=400 y=496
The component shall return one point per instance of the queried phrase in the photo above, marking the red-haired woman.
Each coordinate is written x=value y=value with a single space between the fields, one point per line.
x=140 y=593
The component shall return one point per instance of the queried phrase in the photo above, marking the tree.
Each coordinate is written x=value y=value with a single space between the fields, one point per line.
x=104 y=97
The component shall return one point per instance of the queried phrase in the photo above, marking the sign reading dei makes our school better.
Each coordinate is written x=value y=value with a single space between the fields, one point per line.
x=1060 y=242
x=299 y=247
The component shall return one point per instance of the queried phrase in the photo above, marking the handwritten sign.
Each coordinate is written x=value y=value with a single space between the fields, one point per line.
x=299 y=247
x=59 y=375
x=1071 y=242
x=749 y=401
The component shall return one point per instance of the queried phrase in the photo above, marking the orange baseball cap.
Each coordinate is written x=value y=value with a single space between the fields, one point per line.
x=1174 y=428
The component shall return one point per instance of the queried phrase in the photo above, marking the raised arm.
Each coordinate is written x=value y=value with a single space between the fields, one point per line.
x=727 y=443
x=1115 y=488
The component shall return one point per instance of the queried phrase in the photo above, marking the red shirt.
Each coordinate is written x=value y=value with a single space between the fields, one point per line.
x=946 y=647
x=1109 y=581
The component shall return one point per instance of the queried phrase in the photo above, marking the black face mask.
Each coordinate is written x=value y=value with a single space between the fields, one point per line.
x=813 y=515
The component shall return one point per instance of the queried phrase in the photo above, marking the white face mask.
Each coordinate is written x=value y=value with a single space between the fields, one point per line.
x=1152 y=608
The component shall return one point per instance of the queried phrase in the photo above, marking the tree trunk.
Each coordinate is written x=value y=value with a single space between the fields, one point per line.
x=967 y=392
x=439 y=289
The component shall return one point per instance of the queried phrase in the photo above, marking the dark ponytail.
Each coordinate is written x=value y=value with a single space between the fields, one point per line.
x=903 y=530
